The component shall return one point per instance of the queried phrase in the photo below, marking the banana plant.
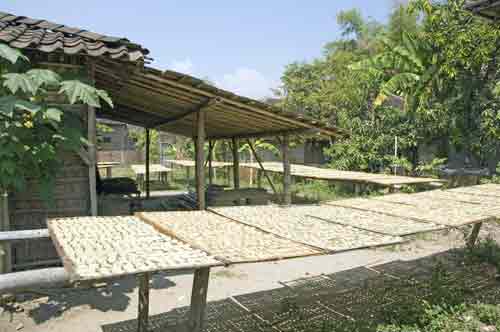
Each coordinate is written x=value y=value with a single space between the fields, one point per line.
x=408 y=70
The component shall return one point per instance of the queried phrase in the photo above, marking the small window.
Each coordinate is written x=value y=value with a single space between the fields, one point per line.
x=106 y=139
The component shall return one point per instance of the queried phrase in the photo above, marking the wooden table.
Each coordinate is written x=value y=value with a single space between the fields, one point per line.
x=140 y=172
x=94 y=248
x=108 y=166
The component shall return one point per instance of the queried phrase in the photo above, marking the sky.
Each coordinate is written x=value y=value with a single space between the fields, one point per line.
x=241 y=46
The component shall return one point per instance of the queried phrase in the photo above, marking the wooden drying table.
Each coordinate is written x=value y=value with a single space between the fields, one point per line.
x=95 y=248
x=359 y=179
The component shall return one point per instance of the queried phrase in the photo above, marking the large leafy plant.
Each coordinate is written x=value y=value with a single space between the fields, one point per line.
x=34 y=131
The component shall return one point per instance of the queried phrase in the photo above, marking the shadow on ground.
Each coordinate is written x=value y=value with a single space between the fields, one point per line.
x=366 y=295
x=112 y=296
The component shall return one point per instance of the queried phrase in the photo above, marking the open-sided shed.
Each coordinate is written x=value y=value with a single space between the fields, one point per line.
x=143 y=96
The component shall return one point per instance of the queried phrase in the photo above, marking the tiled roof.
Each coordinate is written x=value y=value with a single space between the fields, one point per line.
x=486 y=8
x=24 y=32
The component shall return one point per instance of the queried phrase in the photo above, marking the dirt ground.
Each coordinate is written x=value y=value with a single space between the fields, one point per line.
x=91 y=309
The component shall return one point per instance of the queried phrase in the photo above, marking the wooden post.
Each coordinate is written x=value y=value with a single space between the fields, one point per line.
x=210 y=166
x=109 y=174
x=287 y=175
x=148 y=142
x=143 y=314
x=92 y=139
x=471 y=241
x=200 y=159
x=198 y=299
x=259 y=178
x=6 y=259
x=236 y=163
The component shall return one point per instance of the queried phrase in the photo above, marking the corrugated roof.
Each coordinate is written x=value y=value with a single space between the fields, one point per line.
x=24 y=32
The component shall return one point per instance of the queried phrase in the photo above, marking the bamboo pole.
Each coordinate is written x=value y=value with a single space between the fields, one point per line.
x=92 y=149
x=20 y=281
x=262 y=169
x=210 y=159
x=148 y=142
x=6 y=261
x=200 y=157
x=92 y=160
x=236 y=163
x=287 y=176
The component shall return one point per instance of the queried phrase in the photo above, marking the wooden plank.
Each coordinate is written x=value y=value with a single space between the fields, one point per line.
x=287 y=173
x=236 y=163
x=198 y=300
x=148 y=143
x=143 y=307
x=200 y=160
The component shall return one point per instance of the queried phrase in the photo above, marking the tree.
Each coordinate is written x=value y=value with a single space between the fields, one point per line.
x=34 y=131
x=139 y=136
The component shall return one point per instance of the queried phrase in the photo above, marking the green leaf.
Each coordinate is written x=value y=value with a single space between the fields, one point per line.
x=28 y=106
x=42 y=77
x=8 y=104
x=77 y=91
x=15 y=82
x=105 y=96
x=53 y=114
x=11 y=54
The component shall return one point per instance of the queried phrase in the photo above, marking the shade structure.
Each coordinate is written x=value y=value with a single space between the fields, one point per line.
x=148 y=97
x=170 y=101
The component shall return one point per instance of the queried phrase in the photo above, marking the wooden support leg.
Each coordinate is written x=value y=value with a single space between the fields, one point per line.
x=198 y=299
x=6 y=257
x=287 y=175
x=143 y=316
x=236 y=164
x=357 y=188
x=147 y=180
x=471 y=241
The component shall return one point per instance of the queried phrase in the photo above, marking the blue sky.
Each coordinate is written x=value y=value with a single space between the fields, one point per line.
x=241 y=46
